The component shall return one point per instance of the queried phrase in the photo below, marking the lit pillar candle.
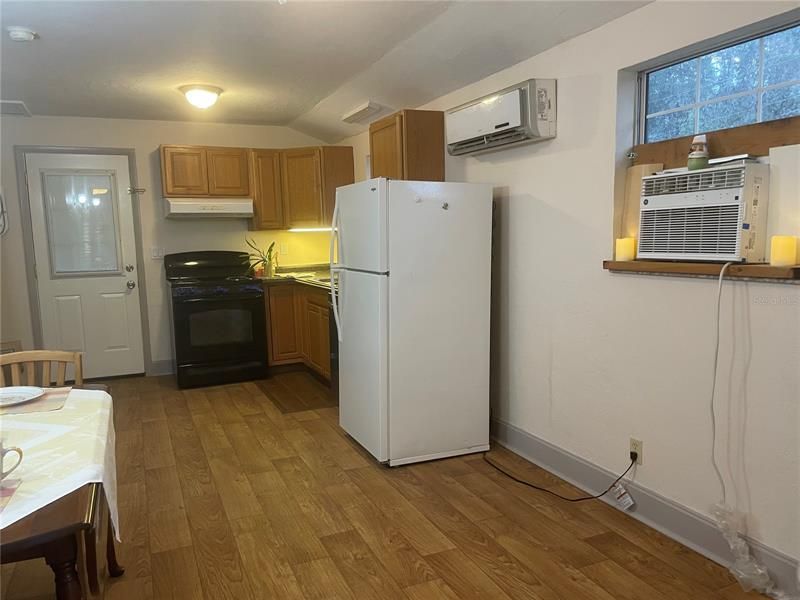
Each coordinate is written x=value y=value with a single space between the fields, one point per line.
x=626 y=249
x=783 y=251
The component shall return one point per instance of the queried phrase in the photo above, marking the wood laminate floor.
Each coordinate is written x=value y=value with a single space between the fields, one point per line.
x=223 y=495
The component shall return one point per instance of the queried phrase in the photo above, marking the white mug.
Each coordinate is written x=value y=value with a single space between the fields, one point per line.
x=3 y=451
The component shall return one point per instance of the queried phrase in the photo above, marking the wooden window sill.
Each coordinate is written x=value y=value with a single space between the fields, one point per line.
x=700 y=269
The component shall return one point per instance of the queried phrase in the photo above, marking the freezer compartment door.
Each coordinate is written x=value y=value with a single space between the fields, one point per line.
x=439 y=312
x=360 y=227
x=363 y=364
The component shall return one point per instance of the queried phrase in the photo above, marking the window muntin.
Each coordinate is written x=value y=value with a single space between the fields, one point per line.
x=750 y=82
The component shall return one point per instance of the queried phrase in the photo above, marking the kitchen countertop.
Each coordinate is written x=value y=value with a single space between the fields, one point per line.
x=310 y=275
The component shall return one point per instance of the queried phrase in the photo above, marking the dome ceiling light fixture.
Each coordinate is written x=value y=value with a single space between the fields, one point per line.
x=21 y=34
x=201 y=96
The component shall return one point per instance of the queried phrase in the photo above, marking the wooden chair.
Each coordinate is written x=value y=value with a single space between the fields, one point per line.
x=43 y=359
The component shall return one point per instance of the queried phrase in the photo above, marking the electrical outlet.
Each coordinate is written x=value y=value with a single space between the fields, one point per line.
x=636 y=446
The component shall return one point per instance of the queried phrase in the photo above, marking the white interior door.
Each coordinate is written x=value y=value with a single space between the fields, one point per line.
x=85 y=254
x=363 y=362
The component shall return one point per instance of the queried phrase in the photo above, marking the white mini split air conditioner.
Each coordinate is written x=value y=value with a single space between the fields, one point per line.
x=519 y=114
x=716 y=214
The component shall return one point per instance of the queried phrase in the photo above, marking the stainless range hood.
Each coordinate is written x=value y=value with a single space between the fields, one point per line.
x=220 y=208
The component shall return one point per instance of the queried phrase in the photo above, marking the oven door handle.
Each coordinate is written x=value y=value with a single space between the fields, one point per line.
x=217 y=299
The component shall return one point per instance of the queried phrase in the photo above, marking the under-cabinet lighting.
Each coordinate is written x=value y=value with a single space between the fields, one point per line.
x=308 y=229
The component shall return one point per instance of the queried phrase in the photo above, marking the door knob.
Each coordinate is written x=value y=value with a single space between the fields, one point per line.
x=131 y=285
x=129 y=268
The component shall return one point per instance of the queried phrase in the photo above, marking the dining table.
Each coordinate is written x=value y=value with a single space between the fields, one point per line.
x=60 y=503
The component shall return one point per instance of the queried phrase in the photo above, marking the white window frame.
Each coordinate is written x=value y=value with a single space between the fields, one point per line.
x=759 y=90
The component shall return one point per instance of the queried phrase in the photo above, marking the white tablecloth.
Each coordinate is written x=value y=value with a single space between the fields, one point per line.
x=64 y=450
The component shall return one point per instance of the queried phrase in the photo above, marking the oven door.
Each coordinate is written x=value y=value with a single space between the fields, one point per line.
x=222 y=329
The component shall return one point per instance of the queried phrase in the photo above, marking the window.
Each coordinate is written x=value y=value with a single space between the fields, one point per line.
x=751 y=82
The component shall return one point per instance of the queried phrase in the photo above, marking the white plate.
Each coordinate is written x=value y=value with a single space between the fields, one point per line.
x=9 y=396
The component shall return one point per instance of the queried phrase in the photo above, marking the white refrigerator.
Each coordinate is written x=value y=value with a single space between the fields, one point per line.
x=412 y=261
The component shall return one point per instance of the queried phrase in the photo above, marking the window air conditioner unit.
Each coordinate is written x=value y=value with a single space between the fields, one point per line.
x=519 y=114
x=715 y=214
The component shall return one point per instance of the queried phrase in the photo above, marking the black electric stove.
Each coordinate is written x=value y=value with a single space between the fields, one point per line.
x=218 y=318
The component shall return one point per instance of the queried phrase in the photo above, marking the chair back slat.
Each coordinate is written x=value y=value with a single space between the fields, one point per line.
x=15 y=374
x=31 y=359
x=61 y=373
x=30 y=373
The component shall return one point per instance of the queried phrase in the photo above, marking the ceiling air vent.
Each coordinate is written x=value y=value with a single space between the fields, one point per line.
x=14 y=108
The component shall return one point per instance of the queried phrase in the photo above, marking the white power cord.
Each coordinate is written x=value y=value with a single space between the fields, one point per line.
x=750 y=574
x=714 y=386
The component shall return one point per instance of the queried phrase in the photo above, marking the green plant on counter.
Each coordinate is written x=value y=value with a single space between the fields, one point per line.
x=260 y=258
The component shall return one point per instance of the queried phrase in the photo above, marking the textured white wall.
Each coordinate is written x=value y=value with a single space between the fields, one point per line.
x=586 y=359
x=172 y=235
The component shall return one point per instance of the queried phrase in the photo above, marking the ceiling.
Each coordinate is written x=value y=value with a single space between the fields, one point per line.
x=302 y=64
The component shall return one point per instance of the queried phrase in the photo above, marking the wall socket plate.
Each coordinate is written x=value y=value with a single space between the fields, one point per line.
x=638 y=447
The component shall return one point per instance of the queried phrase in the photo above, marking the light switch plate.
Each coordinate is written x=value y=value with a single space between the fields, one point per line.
x=284 y=248
x=156 y=253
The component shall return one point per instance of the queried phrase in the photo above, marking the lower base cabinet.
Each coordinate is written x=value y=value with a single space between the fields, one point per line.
x=298 y=328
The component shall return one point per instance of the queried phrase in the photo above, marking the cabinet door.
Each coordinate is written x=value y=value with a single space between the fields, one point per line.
x=386 y=147
x=302 y=192
x=183 y=171
x=227 y=172
x=315 y=343
x=267 y=201
x=284 y=343
x=337 y=170
x=325 y=336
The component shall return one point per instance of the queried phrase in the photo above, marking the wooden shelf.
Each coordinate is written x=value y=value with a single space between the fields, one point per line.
x=699 y=269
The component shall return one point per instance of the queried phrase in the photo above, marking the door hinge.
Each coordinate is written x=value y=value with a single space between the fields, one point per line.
x=133 y=190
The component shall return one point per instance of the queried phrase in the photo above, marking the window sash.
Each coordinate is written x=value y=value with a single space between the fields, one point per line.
x=641 y=122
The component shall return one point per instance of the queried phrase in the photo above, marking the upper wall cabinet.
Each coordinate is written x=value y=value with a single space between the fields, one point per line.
x=184 y=171
x=296 y=187
x=228 y=174
x=408 y=145
x=204 y=171
x=302 y=186
x=267 y=196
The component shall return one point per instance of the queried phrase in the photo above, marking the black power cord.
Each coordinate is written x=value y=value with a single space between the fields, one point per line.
x=634 y=458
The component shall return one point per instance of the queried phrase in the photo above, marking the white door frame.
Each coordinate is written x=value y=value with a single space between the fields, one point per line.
x=20 y=153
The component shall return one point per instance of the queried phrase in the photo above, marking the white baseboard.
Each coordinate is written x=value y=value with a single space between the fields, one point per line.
x=670 y=518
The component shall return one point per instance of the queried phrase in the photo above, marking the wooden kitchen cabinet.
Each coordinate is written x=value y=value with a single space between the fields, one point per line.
x=184 y=171
x=266 y=185
x=197 y=171
x=408 y=145
x=298 y=327
x=316 y=332
x=284 y=325
x=228 y=173
x=302 y=186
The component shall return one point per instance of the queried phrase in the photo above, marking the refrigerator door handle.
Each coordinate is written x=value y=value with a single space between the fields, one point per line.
x=335 y=290
x=335 y=236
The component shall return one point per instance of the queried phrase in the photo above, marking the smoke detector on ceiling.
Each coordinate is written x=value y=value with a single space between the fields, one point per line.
x=21 y=34
x=362 y=112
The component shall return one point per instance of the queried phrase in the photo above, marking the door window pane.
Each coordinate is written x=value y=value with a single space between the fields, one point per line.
x=782 y=56
x=670 y=125
x=81 y=222
x=728 y=113
x=781 y=102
